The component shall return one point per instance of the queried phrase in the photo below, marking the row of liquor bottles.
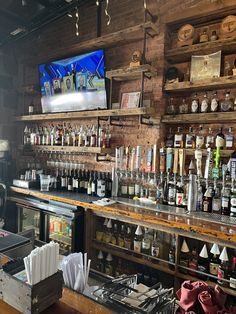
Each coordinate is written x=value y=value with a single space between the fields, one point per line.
x=208 y=103
x=150 y=242
x=212 y=196
x=199 y=138
x=67 y=135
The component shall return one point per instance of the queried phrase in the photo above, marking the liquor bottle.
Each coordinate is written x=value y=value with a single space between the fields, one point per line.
x=108 y=185
x=183 y=108
x=229 y=139
x=232 y=275
x=171 y=254
x=86 y=179
x=89 y=186
x=156 y=246
x=108 y=231
x=184 y=257
x=121 y=236
x=214 y=261
x=195 y=104
x=171 y=109
x=223 y=268
x=178 y=139
x=200 y=140
x=203 y=263
x=190 y=139
x=137 y=185
x=70 y=181
x=214 y=102
x=128 y=238
x=216 y=200
x=225 y=201
x=115 y=232
x=131 y=187
x=75 y=182
x=138 y=240
x=146 y=242
x=124 y=185
x=31 y=108
x=143 y=186
x=220 y=139
x=233 y=201
x=227 y=103
x=205 y=104
x=58 y=180
x=94 y=184
x=119 y=268
x=170 y=139
x=100 y=262
x=63 y=180
x=109 y=265
x=179 y=194
x=193 y=262
x=171 y=193
x=101 y=185
x=152 y=188
x=105 y=229
x=210 y=139
x=207 y=201
x=82 y=181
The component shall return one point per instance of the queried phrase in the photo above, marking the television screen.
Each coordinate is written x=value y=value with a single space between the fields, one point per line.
x=73 y=84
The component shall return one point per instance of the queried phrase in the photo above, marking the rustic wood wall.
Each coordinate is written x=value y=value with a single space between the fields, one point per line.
x=59 y=40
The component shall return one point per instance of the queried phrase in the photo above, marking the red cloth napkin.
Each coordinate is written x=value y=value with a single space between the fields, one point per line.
x=188 y=294
x=208 y=302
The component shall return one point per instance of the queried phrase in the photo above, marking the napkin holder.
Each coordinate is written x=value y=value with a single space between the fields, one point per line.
x=25 y=298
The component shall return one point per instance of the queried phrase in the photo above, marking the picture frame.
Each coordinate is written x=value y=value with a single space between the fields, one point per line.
x=81 y=82
x=56 y=86
x=68 y=84
x=47 y=89
x=205 y=66
x=130 y=100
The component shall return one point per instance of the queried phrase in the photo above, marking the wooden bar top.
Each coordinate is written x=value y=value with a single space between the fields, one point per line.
x=215 y=227
x=70 y=303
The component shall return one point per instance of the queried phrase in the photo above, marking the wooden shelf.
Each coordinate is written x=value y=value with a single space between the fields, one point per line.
x=202 y=118
x=68 y=149
x=132 y=256
x=121 y=37
x=183 y=54
x=214 y=83
x=223 y=153
x=210 y=283
x=133 y=73
x=87 y=114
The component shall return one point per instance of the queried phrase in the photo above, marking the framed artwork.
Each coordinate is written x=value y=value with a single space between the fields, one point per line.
x=56 y=84
x=81 y=82
x=68 y=84
x=47 y=89
x=205 y=67
x=130 y=100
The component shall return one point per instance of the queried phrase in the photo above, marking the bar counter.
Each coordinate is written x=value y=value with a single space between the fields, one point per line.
x=215 y=227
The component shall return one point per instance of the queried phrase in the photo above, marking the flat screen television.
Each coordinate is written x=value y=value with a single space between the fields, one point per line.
x=74 y=84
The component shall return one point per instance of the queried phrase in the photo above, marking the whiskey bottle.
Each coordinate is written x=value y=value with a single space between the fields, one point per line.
x=190 y=139
x=216 y=200
x=63 y=181
x=124 y=185
x=210 y=139
x=223 y=268
x=183 y=108
x=193 y=262
x=115 y=232
x=138 y=240
x=214 y=102
x=75 y=183
x=233 y=201
x=121 y=236
x=178 y=139
x=146 y=242
x=171 y=254
x=152 y=188
x=214 y=261
x=137 y=185
x=171 y=109
x=172 y=193
x=94 y=184
x=225 y=207
x=170 y=139
x=101 y=185
x=108 y=234
x=232 y=275
x=200 y=140
x=203 y=263
x=195 y=104
x=184 y=257
x=156 y=246
x=108 y=185
x=128 y=238
x=131 y=186
x=207 y=201
x=109 y=265
x=229 y=140
x=227 y=103
x=70 y=181
x=89 y=187
x=179 y=194
x=205 y=104
x=220 y=139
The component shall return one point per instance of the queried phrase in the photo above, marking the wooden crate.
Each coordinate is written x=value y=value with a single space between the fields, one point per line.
x=30 y=299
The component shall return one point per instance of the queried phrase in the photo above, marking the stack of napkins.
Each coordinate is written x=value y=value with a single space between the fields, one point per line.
x=104 y=202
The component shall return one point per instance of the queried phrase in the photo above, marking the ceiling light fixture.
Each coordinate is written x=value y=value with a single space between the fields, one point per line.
x=69 y=14
x=107 y=14
x=17 y=31
x=77 y=22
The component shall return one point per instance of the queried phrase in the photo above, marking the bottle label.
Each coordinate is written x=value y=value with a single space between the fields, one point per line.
x=93 y=187
x=121 y=242
x=205 y=206
x=224 y=202
x=219 y=141
x=204 y=105
x=128 y=244
x=136 y=189
x=221 y=273
x=69 y=187
x=178 y=140
x=31 y=109
x=209 y=140
x=86 y=184
x=146 y=245
x=131 y=190
x=63 y=182
x=75 y=184
x=216 y=205
x=189 y=141
x=232 y=283
x=124 y=189
x=213 y=267
x=194 y=106
x=200 y=141
x=113 y=240
x=184 y=263
x=171 y=258
x=155 y=251
x=202 y=268
x=179 y=198
x=137 y=246
x=89 y=190
x=214 y=105
x=229 y=141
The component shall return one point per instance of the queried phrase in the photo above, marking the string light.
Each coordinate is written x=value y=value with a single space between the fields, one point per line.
x=145 y=4
x=97 y=2
x=107 y=14
x=77 y=22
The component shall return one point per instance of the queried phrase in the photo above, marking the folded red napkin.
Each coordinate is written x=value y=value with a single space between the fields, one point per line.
x=208 y=302
x=188 y=294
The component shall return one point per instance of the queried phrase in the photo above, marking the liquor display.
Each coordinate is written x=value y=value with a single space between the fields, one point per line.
x=67 y=135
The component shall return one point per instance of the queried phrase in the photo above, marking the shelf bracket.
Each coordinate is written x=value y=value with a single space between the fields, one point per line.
x=143 y=122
